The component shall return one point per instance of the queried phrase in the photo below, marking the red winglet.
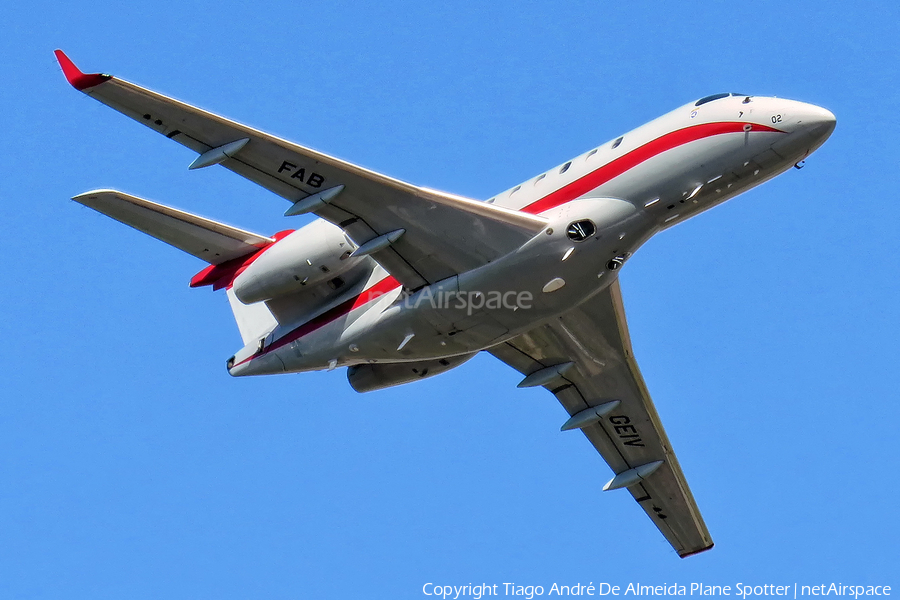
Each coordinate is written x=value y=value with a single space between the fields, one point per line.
x=79 y=80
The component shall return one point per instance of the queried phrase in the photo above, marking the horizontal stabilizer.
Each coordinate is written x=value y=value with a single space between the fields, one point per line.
x=208 y=240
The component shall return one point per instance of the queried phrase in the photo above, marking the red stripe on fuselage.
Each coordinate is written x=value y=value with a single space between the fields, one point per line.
x=628 y=161
x=344 y=308
x=567 y=193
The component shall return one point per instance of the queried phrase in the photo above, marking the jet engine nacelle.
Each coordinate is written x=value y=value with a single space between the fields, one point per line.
x=370 y=377
x=313 y=254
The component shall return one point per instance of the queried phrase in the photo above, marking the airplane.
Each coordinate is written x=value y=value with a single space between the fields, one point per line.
x=399 y=282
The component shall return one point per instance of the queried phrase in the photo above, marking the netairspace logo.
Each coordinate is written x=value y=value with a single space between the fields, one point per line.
x=471 y=301
x=741 y=590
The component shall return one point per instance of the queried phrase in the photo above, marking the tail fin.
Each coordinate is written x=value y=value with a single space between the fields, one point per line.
x=213 y=242
x=254 y=321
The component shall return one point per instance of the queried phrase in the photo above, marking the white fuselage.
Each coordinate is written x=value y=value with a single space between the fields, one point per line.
x=651 y=178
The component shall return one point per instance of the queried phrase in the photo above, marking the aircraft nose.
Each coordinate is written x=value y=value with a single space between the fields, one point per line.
x=818 y=122
x=808 y=128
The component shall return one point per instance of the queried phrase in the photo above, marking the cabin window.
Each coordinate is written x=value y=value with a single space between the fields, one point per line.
x=565 y=167
x=616 y=143
x=539 y=178
x=591 y=153
x=515 y=189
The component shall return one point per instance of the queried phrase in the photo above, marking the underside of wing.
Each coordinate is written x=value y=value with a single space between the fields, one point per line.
x=442 y=235
x=427 y=235
x=208 y=240
x=585 y=359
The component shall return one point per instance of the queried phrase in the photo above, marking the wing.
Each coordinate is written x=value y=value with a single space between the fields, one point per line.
x=585 y=359
x=419 y=236
x=208 y=240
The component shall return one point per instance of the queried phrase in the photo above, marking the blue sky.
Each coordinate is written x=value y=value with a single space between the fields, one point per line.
x=133 y=466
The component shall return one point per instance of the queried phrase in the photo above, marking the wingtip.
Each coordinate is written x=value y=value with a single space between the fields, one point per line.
x=695 y=552
x=97 y=192
x=93 y=197
x=74 y=75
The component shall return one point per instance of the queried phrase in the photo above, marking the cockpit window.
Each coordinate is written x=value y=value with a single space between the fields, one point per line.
x=716 y=97
x=710 y=98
